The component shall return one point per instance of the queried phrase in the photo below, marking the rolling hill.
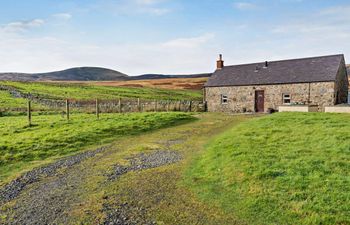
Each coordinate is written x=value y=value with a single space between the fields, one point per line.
x=78 y=74
x=88 y=74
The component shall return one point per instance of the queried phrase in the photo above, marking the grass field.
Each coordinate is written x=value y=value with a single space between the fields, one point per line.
x=88 y=91
x=287 y=168
x=53 y=136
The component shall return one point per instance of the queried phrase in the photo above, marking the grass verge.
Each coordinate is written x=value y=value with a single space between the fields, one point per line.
x=288 y=168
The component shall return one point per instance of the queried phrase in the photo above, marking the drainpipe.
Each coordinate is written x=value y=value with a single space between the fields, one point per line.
x=204 y=94
x=308 y=100
x=205 y=100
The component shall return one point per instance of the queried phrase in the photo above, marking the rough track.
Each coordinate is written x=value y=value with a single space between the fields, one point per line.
x=88 y=188
x=46 y=201
x=120 y=214
x=146 y=161
x=14 y=188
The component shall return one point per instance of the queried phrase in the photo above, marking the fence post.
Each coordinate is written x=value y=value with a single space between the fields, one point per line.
x=155 y=105
x=190 y=106
x=97 y=109
x=29 y=113
x=167 y=106
x=67 y=108
x=120 y=105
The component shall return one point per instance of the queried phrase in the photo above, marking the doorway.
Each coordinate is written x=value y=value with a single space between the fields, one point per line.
x=259 y=101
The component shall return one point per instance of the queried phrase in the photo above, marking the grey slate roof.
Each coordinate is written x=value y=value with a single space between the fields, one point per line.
x=305 y=70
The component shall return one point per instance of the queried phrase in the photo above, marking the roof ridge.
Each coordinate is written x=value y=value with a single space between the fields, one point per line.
x=284 y=60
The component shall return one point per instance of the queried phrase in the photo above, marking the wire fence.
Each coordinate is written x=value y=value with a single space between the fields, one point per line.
x=39 y=103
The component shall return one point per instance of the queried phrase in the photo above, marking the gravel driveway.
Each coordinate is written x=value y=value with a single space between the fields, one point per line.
x=48 y=189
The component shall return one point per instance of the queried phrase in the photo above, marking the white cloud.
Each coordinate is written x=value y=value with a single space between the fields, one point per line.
x=244 y=5
x=330 y=23
x=62 y=16
x=322 y=32
x=189 y=42
x=130 y=7
x=157 y=11
x=182 y=55
x=148 y=2
x=21 y=26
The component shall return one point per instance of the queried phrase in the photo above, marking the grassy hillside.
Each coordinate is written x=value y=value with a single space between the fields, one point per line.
x=53 y=136
x=89 y=74
x=81 y=74
x=80 y=91
x=288 y=168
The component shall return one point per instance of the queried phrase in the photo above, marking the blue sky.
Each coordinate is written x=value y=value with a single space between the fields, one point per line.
x=167 y=36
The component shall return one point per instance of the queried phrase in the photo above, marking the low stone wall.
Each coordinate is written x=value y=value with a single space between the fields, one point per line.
x=338 y=109
x=122 y=105
x=298 y=108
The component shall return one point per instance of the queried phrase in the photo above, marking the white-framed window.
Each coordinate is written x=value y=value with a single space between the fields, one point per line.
x=224 y=99
x=286 y=98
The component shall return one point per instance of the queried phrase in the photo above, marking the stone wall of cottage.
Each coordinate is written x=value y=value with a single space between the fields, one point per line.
x=242 y=98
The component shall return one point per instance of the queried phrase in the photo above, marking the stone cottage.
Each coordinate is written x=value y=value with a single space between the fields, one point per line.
x=259 y=87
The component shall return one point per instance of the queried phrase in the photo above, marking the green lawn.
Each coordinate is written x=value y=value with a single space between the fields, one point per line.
x=52 y=136
x=287 y=168
x=81 y=91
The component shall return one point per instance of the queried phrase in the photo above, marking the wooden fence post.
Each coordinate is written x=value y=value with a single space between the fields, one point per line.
x=120 y=105
x=155 y=105
x=97 y=109
x=67 y=108
x=167 y=106
x=190 y=106
x=29 y=113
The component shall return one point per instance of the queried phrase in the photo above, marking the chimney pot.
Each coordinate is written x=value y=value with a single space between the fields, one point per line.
x=220 y=63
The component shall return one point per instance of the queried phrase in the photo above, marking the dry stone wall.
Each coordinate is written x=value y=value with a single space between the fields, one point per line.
x=123 y=105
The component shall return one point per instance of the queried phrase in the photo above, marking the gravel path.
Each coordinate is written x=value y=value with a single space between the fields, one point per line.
x=146 y=161
x=49 y=191
x=128 y=213
x=14 y=188
x=120 y=215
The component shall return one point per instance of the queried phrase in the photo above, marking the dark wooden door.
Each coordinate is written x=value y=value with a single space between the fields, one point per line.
x=259 y=101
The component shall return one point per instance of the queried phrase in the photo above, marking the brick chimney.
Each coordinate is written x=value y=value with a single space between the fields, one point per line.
x=220 y=63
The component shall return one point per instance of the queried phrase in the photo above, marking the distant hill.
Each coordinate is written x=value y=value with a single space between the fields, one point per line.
x=88 y=74
x=76 y=74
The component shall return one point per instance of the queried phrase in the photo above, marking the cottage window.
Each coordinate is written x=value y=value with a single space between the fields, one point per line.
x=224 y=99
x=286 y=99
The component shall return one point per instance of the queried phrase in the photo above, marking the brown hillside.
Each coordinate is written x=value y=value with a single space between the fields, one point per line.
x=171 y=83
